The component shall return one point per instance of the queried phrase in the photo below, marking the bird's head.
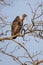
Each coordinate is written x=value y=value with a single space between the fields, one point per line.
x=23 y=16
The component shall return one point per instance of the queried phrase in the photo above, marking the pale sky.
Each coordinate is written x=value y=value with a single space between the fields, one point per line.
x=17 y=8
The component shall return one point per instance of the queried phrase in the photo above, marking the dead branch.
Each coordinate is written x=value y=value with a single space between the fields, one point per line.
x=38 y=62
x=12 y=56
x=34 y=29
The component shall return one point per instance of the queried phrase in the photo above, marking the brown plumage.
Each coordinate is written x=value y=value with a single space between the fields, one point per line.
x=17 y=25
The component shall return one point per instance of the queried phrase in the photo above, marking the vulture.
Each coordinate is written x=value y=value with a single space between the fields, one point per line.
x=17 y=25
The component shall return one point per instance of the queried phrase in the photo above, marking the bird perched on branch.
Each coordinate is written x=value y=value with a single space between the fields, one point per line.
x=17 y=25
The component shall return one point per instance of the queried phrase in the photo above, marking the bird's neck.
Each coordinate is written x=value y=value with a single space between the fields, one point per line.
x=22 y=18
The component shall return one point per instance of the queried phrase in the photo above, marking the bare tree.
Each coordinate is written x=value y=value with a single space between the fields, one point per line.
x=35 y=29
